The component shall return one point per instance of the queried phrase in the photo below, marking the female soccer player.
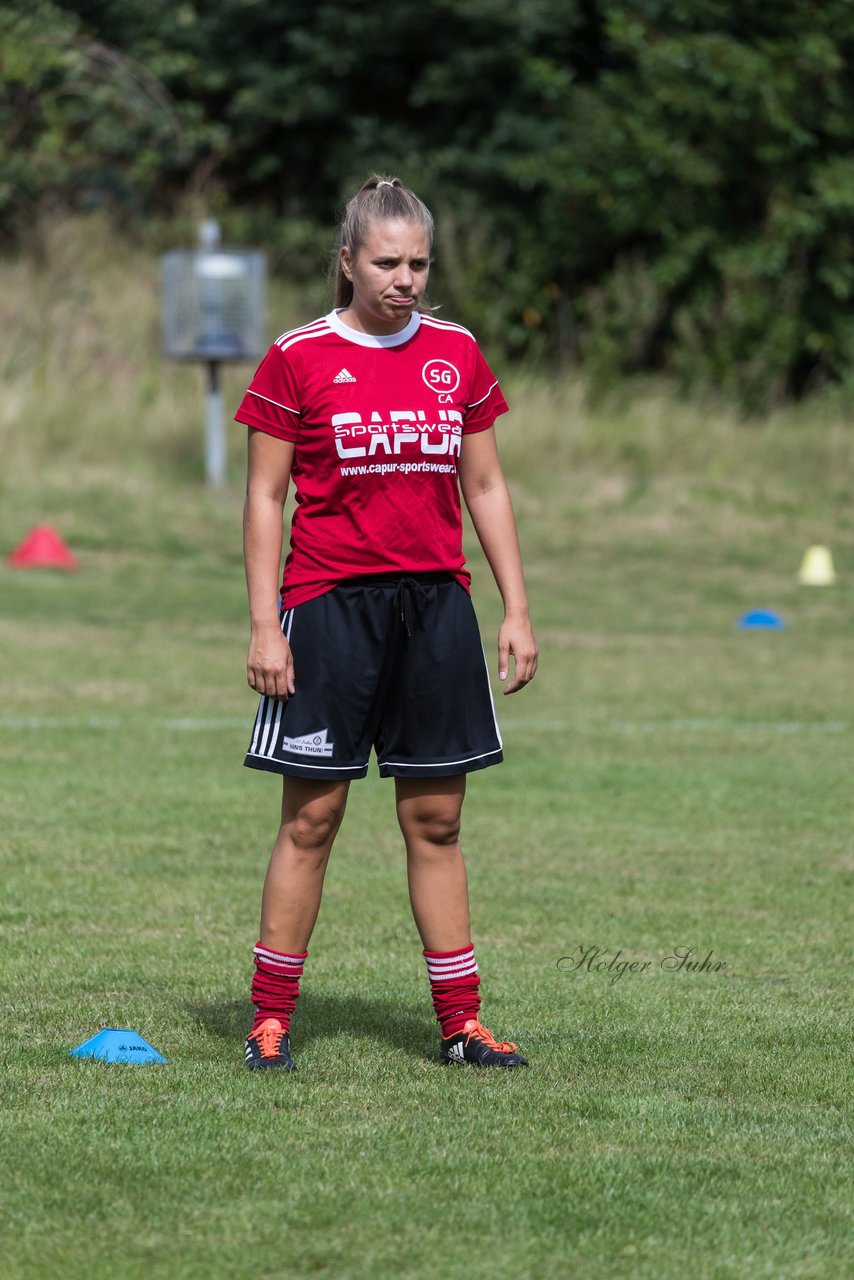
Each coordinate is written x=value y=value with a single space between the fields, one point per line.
x=380 y=413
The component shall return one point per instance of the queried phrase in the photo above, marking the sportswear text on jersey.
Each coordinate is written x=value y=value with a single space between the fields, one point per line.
x=397 y=431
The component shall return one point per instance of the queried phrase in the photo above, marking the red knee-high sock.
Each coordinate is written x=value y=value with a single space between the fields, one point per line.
x=275 y=984
x=454 y=986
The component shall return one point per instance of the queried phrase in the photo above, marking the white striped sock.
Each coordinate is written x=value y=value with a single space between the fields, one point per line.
x=290 y=966
x=443 y=966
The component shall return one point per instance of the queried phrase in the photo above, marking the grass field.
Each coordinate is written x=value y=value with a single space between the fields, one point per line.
x=671 y=782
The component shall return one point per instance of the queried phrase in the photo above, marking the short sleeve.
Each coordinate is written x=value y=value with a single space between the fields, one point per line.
x=272 y=400
x=485 y=401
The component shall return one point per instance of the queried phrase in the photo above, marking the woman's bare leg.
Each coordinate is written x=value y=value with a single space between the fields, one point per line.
x=311 y=816
x=428 y=811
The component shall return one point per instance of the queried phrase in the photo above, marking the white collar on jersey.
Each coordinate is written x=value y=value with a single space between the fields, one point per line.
x=372 y=339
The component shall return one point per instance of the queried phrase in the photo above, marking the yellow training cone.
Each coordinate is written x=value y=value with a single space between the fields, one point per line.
x=817 y=568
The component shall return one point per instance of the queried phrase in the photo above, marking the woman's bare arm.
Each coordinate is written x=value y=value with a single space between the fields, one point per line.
x=269 y=664
x=488 y=501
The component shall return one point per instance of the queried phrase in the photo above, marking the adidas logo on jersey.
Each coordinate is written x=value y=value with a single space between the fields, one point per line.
x=344 y=376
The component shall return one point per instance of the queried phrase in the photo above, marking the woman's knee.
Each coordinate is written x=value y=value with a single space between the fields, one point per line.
x=429 y=812
x=311 y=820
x=437 y=825
x=313 y=829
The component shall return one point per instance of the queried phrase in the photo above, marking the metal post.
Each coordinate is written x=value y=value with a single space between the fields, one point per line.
x=214 y=429
x=213 y=307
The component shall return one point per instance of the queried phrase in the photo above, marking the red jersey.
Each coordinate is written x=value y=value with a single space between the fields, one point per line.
x=378 y=424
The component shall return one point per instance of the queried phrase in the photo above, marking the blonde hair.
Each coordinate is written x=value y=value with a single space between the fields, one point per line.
x=382 y=199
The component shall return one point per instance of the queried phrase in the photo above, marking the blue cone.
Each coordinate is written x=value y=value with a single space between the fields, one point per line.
x=115 y=1045
x=761 y=620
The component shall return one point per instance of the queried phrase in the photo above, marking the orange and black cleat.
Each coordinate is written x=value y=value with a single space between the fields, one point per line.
x=476 y=1046
x=267 y=1047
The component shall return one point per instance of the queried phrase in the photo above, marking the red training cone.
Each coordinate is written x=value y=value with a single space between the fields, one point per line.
x=42 y=549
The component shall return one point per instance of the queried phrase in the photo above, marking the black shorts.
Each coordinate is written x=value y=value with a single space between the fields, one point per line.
x=388 y=661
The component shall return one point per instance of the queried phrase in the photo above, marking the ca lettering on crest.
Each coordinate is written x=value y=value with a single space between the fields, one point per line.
x=442 y=377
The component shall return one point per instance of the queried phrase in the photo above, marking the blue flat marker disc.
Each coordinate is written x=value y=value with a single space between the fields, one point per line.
x=761 y=620
x=115 y=1044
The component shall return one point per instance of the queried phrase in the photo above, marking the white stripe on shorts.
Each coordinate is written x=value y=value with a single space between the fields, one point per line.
x=491 y=699
x=259 y=722
x=441 y=764
x=268 y=717
x=274 y=733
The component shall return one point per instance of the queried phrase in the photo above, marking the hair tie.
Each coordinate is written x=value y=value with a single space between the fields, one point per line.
x=385 y=183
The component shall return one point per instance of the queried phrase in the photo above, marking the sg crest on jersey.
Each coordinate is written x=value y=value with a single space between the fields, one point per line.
x=442 y=377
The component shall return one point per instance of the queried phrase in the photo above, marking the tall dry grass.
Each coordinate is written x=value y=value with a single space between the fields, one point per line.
x=83 y=380
x=84 y=390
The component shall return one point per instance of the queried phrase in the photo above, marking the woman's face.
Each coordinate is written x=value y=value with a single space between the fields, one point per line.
x=389 y=275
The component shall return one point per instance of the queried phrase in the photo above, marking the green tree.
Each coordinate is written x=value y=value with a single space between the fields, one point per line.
x=81 y=121
x=641 y=185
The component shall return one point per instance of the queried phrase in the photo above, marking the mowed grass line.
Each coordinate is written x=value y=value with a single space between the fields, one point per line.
x=671 y=782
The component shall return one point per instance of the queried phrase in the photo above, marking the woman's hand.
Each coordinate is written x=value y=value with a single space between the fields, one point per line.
x=516 y=639
x=270 y=663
